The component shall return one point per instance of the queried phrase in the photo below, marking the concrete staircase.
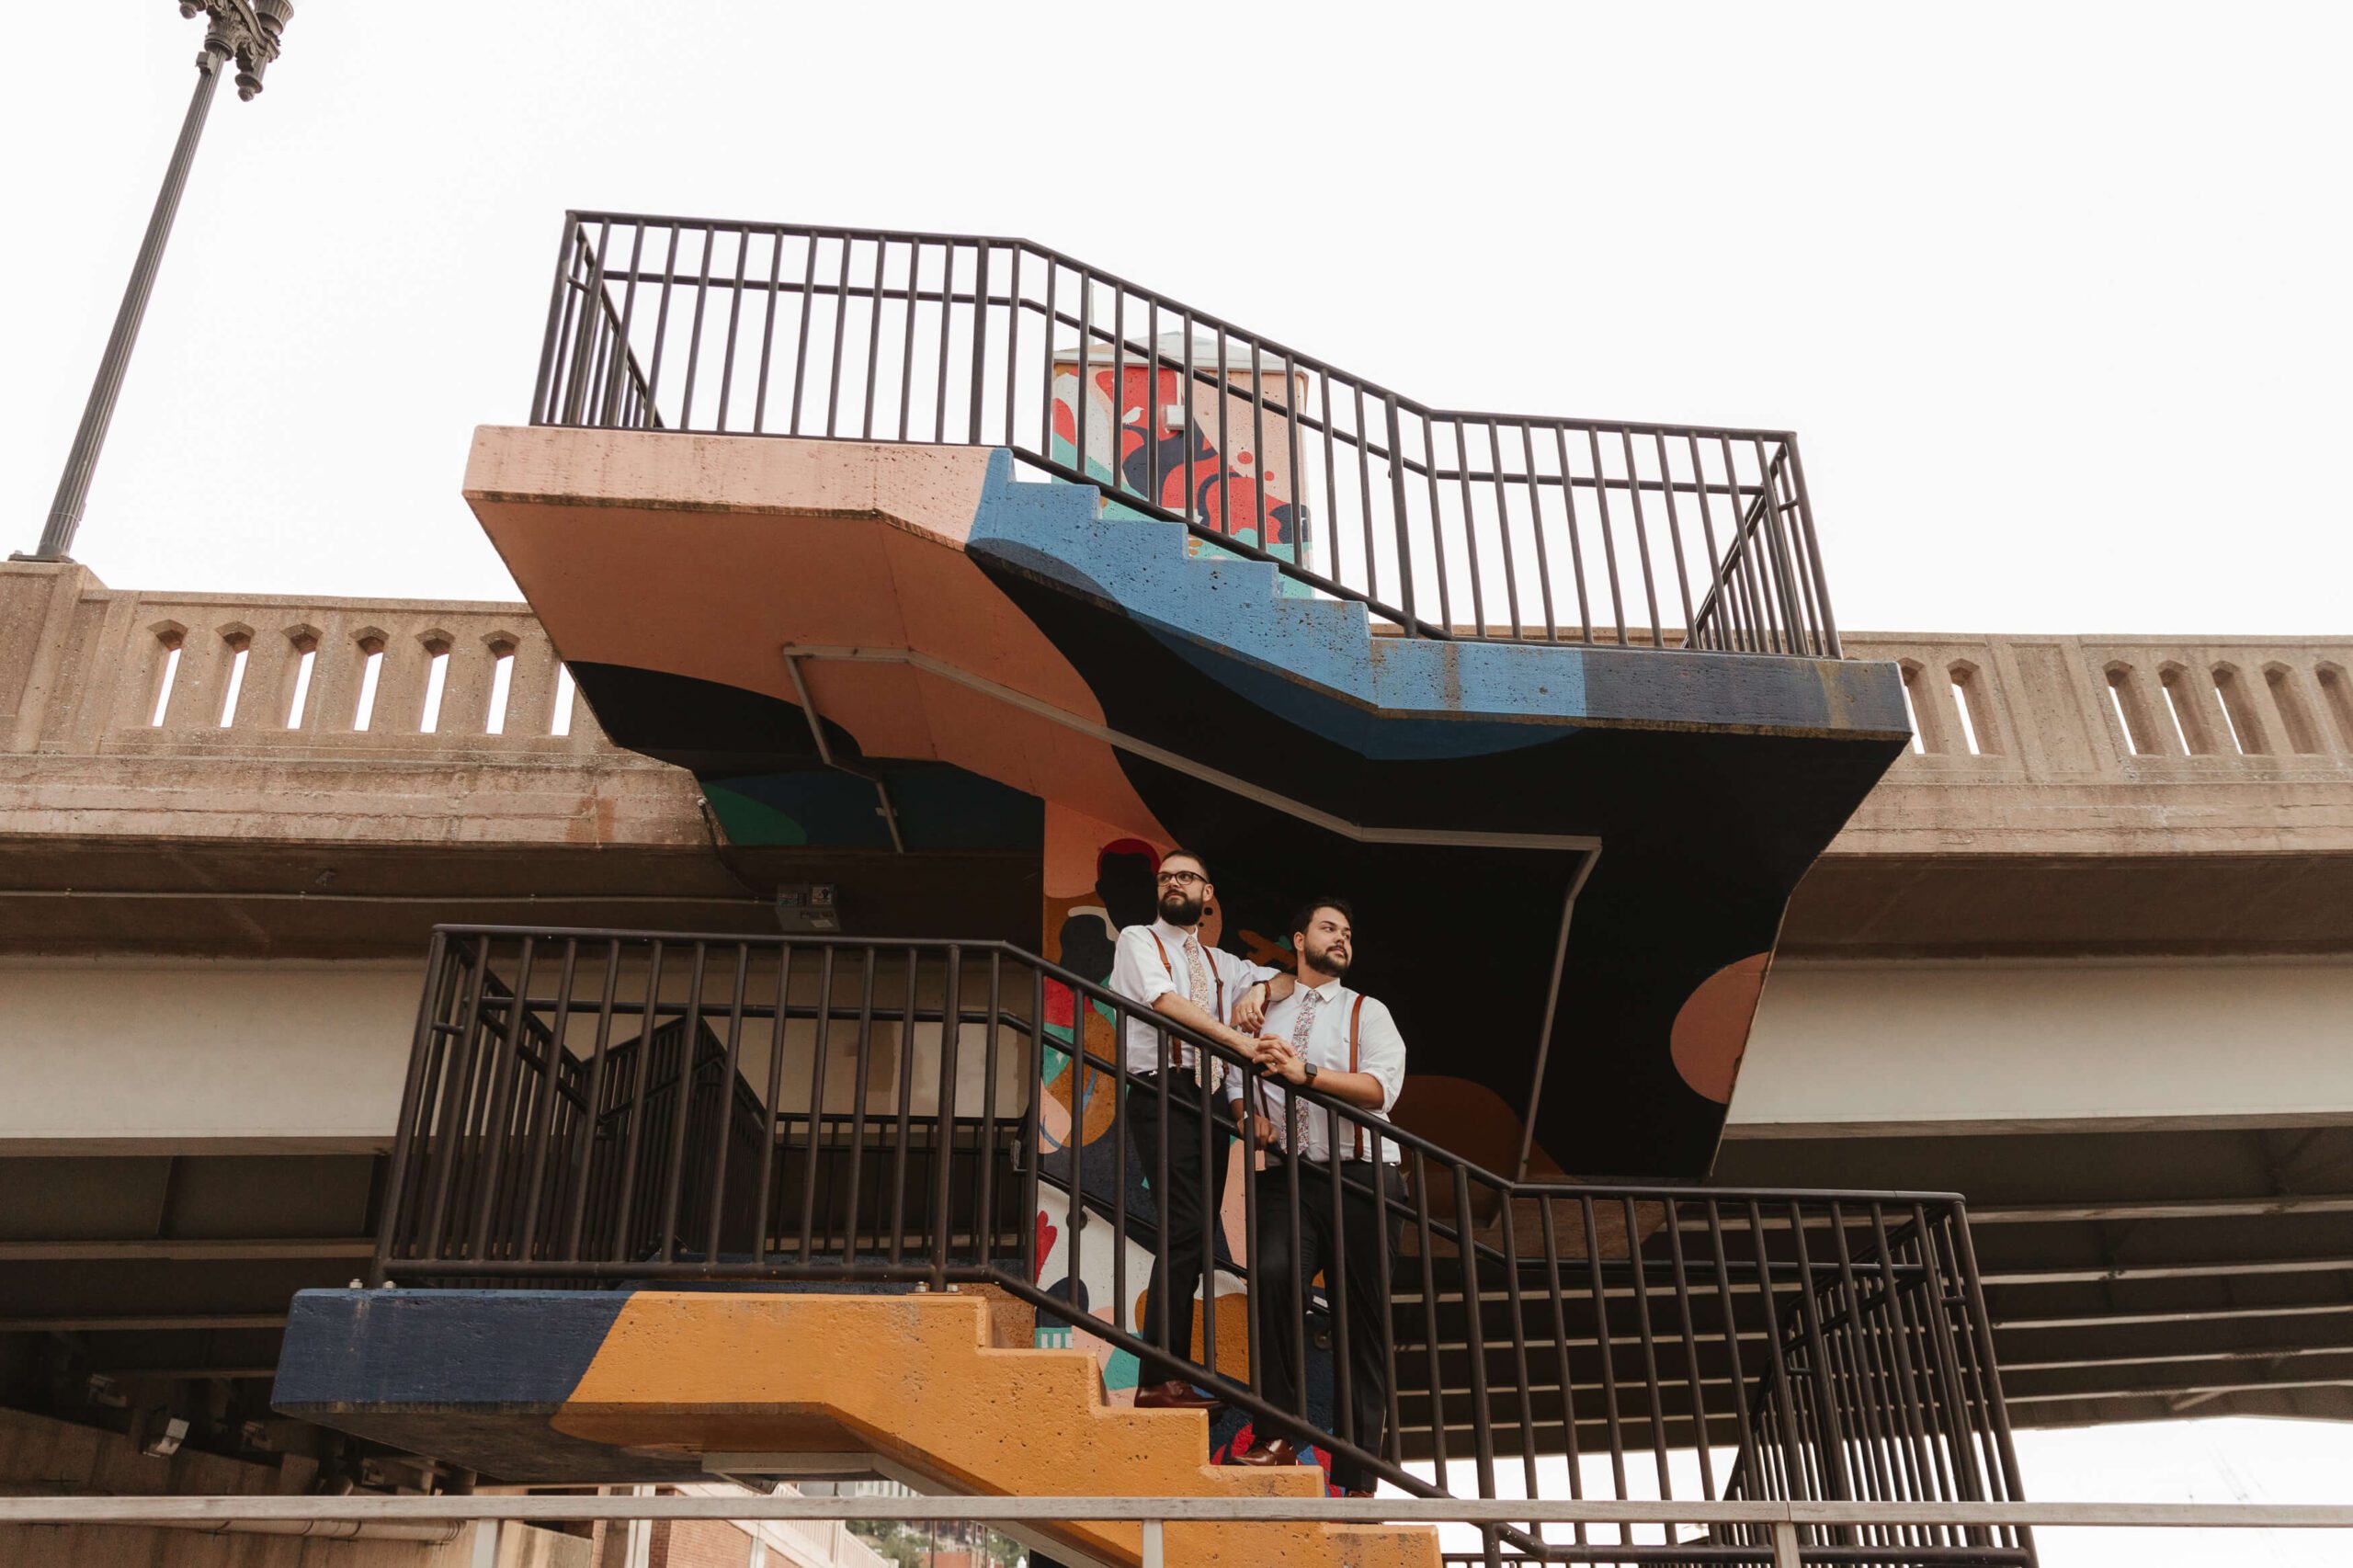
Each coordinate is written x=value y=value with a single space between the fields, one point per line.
x=663 y=1381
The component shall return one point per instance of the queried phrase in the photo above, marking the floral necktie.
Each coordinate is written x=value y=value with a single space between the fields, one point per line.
x=1295 y=1138
x=1196 y=972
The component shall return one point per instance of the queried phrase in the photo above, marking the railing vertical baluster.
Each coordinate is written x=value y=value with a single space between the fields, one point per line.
x=1013 y=350
x=1639 y=1267
x=951 y=1030
x=735 y=320
x=1642 y=536
x=690 y=1034
x=820 y=1044
x=808 y=308
x=1396 y=498
x=1550 y=1230
x=1470 y=528
x=1046 y=395
x=1784 y=1399
x=902 y=1129
x=1872 y=1399
x=907 y=337
x=1675 y=533
x=1207 y=1111
x=1082 y=385
x=617 y=380
x=1502 y=524
x=1519 y=1308
x=1749 y=1462
x=625 y=1200
x=560 y=295
x=1119 y=475
x=1536 y=528
x=694 y=331
x=1980 y=1320
x=1392 y=1444
x=1225 y=523
x=979 y=339
x=1033 y=1147
x=1831 y=645
x=1586 y=1212
x=1577 y=544
x=1482 y=1431
x=543 y=1123
x=405 y=1130
x=873 y=374
x=592 y=301
x=859 y=1079
x=764 y=1199
x=985 y=1203
x=841 y=330
x=721 y=1132
x=1423 y=1235
x=1609 y=537
x=1834 y=1447
x=1292 y=376
x=454 y=1091
x=1363 y=444
x=1437 y=526
x=947 y=322
x=767 y=331
x=1335 y=1295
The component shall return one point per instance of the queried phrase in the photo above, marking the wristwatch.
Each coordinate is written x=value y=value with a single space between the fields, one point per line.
x=1310 y=1068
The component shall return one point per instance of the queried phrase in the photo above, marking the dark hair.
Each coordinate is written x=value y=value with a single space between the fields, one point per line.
x=1196 y=860
x=1299 y=922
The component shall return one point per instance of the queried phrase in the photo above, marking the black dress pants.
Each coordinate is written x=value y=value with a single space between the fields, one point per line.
x=1188 y=1206
x=1281 y=1262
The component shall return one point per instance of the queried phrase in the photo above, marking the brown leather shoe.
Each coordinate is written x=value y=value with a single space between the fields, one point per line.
x=1175 y=1394
x=1280 y=1451
x=1365 y=1495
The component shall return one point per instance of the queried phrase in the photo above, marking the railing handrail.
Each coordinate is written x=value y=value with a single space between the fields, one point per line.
x=1307 y=1094
x=1451 y=517
x=1201 y=319
x=642 y=1182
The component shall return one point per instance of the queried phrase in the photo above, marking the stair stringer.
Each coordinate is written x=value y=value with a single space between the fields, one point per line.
x=915 y=1379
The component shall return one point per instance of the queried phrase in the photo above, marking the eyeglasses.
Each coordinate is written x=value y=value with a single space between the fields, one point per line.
x=1186 y=878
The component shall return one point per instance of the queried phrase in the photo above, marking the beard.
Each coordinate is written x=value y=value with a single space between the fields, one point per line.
x=1324 y=960
x=1180 y=908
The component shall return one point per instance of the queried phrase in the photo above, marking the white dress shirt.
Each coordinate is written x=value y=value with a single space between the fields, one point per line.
x=1138 y=974
x=1380 y=1050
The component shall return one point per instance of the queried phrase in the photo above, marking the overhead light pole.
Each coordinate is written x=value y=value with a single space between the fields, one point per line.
x=246 y=31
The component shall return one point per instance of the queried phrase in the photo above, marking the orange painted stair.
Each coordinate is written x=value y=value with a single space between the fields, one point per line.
x=916 y=1380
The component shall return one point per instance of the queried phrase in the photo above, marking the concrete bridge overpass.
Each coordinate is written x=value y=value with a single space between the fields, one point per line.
x=2087 y=955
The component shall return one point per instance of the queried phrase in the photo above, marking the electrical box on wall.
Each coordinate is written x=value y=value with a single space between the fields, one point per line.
x=808 y=909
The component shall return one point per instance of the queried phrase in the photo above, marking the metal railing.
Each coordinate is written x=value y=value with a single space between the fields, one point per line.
x=591 y=1108
x=1441 y=522
x=1791 y=1528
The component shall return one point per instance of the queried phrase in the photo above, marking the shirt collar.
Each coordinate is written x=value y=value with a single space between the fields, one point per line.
x=1328 y=992
x=1177 y=934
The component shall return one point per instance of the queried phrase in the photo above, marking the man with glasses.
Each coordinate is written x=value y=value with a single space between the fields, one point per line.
x=1343 y=1044
x=1165 y=967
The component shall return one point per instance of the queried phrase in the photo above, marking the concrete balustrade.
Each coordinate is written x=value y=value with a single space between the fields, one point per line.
x=2221 y=766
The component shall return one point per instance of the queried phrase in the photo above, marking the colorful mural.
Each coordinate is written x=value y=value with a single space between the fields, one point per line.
x=1242 y=491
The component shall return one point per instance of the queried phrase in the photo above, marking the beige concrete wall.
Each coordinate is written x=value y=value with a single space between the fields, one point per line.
x=122 y=1051
x=1990 y=1046
x=42 y=1455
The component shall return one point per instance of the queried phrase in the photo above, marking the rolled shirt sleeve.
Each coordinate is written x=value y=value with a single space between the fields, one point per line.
x=1380 y=1050
x=1137 y=972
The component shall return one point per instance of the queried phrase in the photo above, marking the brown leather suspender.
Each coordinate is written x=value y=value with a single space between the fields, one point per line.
x=1217 y=978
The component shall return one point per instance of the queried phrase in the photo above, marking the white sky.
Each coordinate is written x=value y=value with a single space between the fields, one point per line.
x=2054 y=296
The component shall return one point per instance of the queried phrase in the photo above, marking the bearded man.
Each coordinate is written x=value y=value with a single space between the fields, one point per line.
x=1165 y=967
x=1319 y=1034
